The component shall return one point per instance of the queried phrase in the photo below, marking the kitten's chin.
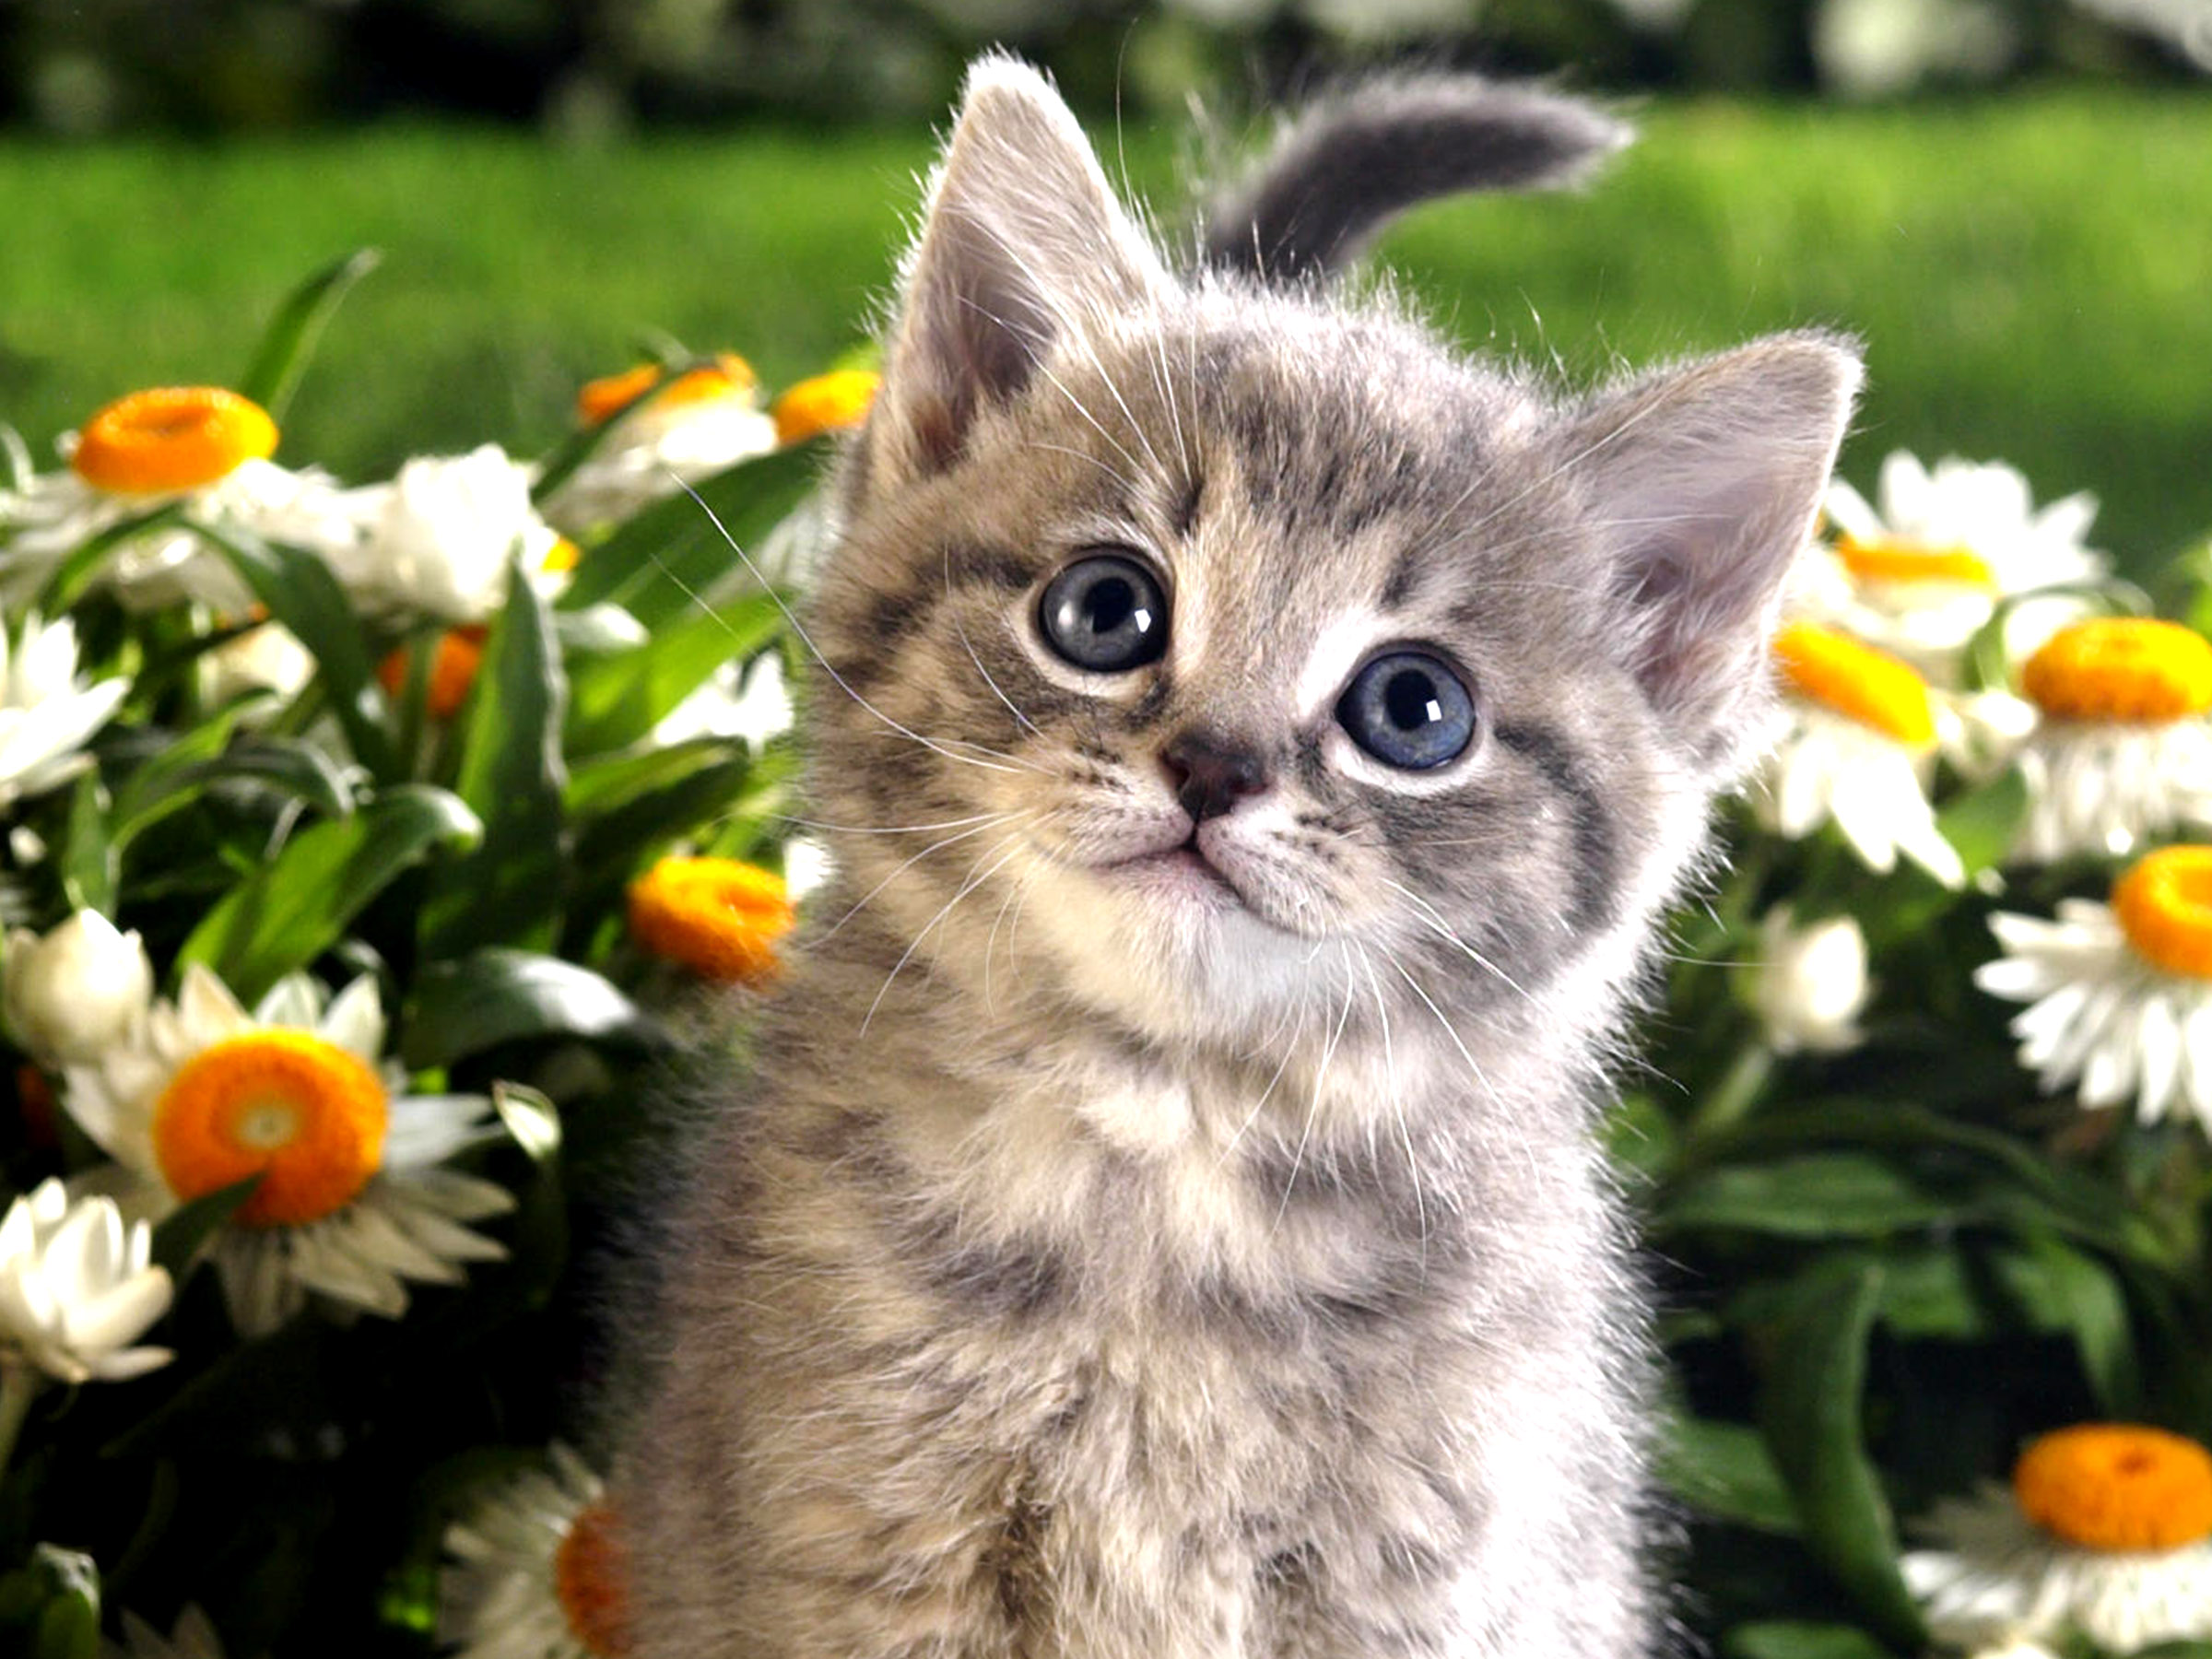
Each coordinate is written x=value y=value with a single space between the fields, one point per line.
x=1165 y=941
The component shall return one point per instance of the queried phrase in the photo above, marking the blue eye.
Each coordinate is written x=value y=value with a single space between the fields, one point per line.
x=1408 y=710
x=1105 y=613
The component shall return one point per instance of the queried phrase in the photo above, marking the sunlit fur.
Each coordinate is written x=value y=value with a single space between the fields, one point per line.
x=1149 y=1263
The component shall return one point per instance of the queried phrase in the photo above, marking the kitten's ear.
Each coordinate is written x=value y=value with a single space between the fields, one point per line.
x=1706 y=481
x=1023 y=242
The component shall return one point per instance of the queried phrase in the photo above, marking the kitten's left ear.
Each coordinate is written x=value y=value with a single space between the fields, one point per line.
x=1024 y=242
x=1705 y=483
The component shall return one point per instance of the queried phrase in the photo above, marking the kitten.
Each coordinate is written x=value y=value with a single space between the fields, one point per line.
x=1166 y=1219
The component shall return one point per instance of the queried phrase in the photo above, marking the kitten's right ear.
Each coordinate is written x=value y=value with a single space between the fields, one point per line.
x=1023 y=242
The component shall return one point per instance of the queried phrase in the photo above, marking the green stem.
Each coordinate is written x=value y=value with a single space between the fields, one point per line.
x=19 y=1383
x=1736 y=1093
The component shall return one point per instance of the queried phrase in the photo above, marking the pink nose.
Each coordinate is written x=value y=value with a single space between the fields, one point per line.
x=1210 y=774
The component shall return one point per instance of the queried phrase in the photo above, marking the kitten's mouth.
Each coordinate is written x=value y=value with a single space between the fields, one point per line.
x=1183 y=868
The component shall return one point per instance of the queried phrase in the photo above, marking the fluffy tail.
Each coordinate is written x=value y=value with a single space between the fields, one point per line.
x=1350 y=164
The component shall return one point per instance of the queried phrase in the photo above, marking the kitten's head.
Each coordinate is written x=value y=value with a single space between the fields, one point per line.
x=1212 y=652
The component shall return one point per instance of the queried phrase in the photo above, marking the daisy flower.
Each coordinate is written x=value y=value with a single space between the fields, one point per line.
x=2120 y=995
x=716 y=916
x=697 y=424
x=1809 y=986
x=1861 y=732
x=77 y=991
x=76 y=1287
x=202 y=446
x=2122 y=750
x=353 y=1198
x=2102 y=1532
x=538 y=1569
x=47 y=712
x=442 y=532
x=1923 y=573
x=835 y=402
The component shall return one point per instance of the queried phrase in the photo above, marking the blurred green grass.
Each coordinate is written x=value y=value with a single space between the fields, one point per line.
x=2034 y=276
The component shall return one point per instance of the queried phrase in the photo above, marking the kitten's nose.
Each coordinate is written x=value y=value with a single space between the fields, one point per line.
x=1210 y=773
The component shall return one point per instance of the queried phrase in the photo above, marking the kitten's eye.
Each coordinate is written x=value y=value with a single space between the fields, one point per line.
x=1408 y=709
x=1105 y=613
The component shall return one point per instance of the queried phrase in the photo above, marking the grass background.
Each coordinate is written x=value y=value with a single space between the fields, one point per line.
x=2032 y=274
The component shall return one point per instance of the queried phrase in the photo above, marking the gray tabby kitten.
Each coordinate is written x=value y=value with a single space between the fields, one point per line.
x=1166 y=1219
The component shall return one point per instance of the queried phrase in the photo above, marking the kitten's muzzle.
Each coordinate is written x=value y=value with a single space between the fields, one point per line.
x=1210 y=773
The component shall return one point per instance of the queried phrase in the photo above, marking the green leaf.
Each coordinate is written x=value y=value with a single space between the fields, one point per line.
x=1984 y=823
x=530 y=1117
x=68 y=1625
x=1809 y=1407
x=509 y=889
x=179 y=1235
x=303 y=594
x=181 y=774
x=1784 y=1638
x=89 y=863
x=1723 y=1470
x=2059 y=1288
x=1816 y=1195
x=294 y=908
x=663 y=559
x=620 y=696
x=469 y=1004
x=289 y=339
x=69 y=579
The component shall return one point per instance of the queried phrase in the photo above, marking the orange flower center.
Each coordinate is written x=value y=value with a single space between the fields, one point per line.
x=728 y=376
x=2117 y=1486
x=2164 y=905
x=1856 y=681
x=828 y=403
x=715 y=916
x=290 y=1107
x=453 y=665
x=2134 y=669
x=1899 y=559
x=591 y=1579
x=172 y=438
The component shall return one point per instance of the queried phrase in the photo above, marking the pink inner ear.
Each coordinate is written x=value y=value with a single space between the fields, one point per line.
x=1706 y=482
x=1024 y=240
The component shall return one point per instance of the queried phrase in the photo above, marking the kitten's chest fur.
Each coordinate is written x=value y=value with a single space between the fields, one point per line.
x=1191 y=1360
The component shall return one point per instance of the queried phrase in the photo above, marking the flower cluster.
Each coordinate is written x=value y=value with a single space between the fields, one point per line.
x=361 y=844
x=357 y=841
x=1953 y=1103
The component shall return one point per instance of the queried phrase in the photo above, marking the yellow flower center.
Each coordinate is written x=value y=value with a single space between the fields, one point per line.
x=172 y=438
x=715 y=916
x=2164 y=905
x=828 y=403
x=560 y=558
x=1857 y=681
x=1899 y=559
x=591 y=1581
x=2121 y=668
x=293 y=1108
x=2117 y=1486
x=728 y=376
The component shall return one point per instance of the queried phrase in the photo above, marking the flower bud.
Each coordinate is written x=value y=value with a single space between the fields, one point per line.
x=1809 y=986
x=76 y=993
